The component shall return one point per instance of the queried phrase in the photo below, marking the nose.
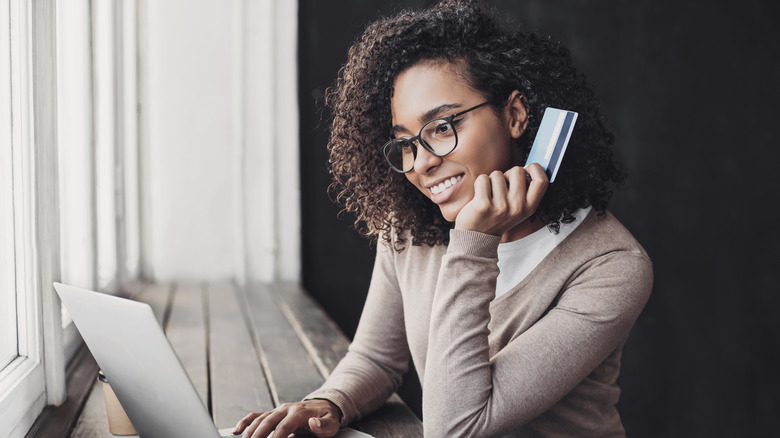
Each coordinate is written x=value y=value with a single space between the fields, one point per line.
x=425 y=161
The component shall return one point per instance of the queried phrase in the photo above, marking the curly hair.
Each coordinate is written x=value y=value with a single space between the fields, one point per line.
x=494 y=62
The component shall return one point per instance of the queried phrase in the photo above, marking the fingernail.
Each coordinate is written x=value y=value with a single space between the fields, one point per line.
x=319 y=423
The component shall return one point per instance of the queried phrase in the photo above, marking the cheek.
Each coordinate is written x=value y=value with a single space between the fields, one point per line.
x=502 y=155
x=489 y=150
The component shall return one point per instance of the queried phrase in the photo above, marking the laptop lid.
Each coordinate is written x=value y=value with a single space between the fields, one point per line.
x=139 y=362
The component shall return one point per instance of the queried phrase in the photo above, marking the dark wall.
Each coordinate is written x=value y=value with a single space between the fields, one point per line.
x=692 y=96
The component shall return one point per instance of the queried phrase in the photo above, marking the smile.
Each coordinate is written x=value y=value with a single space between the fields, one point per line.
x=444 y=185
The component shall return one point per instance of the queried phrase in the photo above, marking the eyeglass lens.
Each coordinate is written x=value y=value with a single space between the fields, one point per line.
x=439 y=135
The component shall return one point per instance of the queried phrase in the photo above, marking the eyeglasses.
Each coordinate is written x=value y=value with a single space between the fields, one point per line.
x=438 y=137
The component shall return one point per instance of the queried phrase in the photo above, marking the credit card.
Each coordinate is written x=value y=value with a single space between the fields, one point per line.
x=551 y=140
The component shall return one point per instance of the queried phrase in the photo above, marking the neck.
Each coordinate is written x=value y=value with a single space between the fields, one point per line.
x=523 y=229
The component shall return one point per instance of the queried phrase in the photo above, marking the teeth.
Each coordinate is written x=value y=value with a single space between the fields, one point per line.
x=445 y=184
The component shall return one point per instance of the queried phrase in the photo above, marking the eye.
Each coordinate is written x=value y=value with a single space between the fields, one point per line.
x=443 y=128
x=405 y=144
x=440 y=129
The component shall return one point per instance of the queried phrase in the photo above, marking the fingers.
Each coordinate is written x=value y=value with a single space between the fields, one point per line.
x=537 y=187
x=517 y=182
x=498 y=184
x=246 y=421
x=264 y=424
x=482 y=191
x=319 y=416
x=324 y=426
x=503 y=200
x=315 y=424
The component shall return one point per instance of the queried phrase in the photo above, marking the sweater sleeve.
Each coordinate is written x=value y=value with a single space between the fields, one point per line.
x=372 y=369
x=465 y=393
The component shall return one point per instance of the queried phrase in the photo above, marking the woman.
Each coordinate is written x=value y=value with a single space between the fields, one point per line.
x=512 y=296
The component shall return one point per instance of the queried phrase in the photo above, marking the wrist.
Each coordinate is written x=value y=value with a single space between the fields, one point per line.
x=474 y=243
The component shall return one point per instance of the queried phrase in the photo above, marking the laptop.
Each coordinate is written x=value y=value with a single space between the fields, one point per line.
x=135 y=355
x=149 y=380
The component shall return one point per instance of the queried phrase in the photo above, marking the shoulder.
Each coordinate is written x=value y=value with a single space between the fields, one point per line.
x=602 y=233
x=602 y=240
x=608 y=266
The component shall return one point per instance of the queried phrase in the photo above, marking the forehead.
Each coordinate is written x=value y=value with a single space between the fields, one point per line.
x=427 y=85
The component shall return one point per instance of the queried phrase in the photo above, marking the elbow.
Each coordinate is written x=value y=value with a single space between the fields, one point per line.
x=439 y=421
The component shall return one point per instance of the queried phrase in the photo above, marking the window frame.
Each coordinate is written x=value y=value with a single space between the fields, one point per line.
x=36 y=377
x=23 y=381
x=8 y=318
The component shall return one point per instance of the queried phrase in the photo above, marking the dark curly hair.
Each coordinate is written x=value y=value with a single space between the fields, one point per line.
x=494 y=62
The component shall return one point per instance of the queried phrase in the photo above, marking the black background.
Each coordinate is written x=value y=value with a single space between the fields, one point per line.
x=691 y=93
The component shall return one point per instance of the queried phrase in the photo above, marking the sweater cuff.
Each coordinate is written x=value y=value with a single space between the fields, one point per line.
x=473 y=243
x=338 y=398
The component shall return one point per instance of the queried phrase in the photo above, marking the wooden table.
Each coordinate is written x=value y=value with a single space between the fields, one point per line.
x=245 y=349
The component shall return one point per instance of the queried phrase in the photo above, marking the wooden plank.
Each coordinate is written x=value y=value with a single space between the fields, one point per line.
x=57 y=421
x=186 y=331
x=158 y=296
x=291 y=370
x=394 y=419
x=238 y=385
x=318 y=331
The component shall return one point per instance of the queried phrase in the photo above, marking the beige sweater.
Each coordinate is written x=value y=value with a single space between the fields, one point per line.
x=541 y=360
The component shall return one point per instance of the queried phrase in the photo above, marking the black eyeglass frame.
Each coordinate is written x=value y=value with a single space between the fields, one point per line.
x=418 y=138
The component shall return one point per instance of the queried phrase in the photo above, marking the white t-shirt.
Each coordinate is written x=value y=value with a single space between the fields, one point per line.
x=517 y=259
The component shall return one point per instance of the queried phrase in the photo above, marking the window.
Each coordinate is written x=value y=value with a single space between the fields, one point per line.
x=8 y=330
x=73 y=205
x=67 y=130
x=22 y=375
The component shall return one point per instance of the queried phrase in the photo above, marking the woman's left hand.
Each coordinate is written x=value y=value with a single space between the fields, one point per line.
x=503 y=200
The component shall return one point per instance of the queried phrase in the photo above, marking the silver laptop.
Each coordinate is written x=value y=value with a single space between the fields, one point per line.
x=134 y=353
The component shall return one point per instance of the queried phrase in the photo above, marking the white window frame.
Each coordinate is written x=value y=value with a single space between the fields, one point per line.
x=22 y=382
x=8 y=325
x=36 y=377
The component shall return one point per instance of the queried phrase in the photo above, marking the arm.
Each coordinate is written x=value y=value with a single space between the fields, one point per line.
x=367 y=376
x=467 y=394
x=539 y=367
x=379 y=354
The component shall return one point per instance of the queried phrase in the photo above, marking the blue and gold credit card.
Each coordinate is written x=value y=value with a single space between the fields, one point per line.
x=551 y=140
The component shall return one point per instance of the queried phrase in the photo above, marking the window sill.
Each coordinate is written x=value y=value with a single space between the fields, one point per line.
x=60 y=420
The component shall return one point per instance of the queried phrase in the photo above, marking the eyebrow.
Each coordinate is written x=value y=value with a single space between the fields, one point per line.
x=430 y=115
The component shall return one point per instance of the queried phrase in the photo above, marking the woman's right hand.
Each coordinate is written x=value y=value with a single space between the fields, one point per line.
x=317 y=416
x=502 y=200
